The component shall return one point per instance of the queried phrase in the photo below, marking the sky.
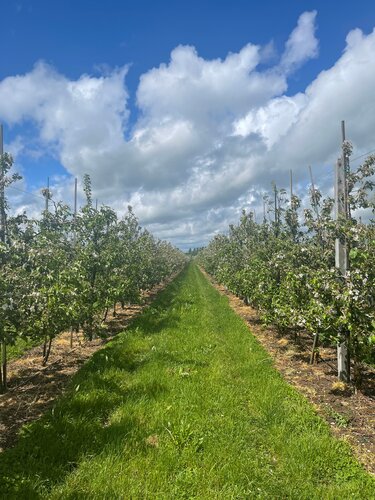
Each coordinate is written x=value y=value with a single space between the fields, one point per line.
x=185 y=110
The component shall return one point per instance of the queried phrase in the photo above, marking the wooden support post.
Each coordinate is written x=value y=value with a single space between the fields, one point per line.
x=3 y=371
x=75 y=197
x=315 y=201
x=2 y=189
x=276 y=209
x=75 y=211
x=74 y=242
x=264 y=211
x=346 y=166
x=275 y=195
x=47 y=195
x=314 y=353
x=341 y=262
x=291 y=187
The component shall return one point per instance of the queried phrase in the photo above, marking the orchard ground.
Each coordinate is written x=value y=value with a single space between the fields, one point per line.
x=350 y=413
x=32 y=388
x=184 y=404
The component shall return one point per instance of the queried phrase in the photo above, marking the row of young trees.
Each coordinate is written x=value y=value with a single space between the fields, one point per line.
x=64 y=270
x=286 y=268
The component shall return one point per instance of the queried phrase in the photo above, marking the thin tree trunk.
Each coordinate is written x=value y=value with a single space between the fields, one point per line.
x=4 y=365
x=3 y=374
x=45 y=359
x=45 y=346
x=314 y=353
x=106 y=313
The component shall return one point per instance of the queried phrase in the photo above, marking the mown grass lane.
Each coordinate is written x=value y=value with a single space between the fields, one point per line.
x=183 y=404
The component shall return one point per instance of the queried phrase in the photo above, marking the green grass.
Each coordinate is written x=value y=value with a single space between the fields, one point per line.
x=184 y=404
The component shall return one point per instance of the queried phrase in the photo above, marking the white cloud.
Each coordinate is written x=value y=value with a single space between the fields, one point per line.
x=273 y=120
x=344 y=91
x=208 y=91
x=210 y=136
x=302 y=43
x=76 y=115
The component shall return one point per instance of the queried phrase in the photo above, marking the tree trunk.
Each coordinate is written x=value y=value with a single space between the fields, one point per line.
x=48 y=350
x=106 y=313
x=314 y=353
x=45 y=346
x=3 y=367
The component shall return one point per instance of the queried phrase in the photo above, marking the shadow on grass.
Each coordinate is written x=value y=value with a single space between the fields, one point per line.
x=79 y=425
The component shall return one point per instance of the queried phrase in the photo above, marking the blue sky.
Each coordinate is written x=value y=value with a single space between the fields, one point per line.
x=82 y=89
x=78 y=36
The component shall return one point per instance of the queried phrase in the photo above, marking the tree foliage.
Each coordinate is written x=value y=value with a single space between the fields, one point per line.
x=63 y=270
x=286 y=268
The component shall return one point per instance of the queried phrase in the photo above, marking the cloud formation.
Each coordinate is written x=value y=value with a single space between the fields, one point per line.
x=302 y=44
x=210 y=135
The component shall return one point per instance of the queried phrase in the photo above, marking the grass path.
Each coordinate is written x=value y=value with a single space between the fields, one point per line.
x=183 y=404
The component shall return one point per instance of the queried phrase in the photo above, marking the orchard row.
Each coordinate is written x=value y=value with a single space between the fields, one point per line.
x=286 y=268
x=64 y=270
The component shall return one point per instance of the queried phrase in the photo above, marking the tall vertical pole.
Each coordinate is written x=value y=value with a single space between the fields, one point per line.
x=75 y=211
x=315 y=201
x=341 y=255
x=47 y=195
x=343 y=138
x=74 y=240
x=291 y=187
x=314 y=352
x=343 y=130
x=276 y=213
x=3 y=371
x=264 y=211
x=340 y=213
x=345 y=161
x=75 y=198
x=2 y=193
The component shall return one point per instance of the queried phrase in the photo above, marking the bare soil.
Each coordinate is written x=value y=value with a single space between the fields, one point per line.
x=32 y=388
x=350 y=413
